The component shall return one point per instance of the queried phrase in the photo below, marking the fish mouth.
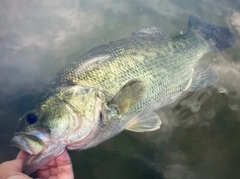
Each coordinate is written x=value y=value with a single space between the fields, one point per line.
x=29 y=143
x=38 y=144
x=33 y=142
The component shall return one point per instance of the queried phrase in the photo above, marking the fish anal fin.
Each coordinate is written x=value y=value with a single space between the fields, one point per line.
x=145 y=122
x=203 y=76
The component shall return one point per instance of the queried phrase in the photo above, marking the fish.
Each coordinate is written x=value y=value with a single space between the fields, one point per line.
x=116 y=87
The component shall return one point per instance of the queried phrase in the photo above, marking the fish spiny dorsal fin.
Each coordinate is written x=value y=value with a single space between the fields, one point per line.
x=127 y=96
x=148 y=121
x=150 y=31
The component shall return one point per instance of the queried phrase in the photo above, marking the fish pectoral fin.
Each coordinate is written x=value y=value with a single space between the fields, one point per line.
x=150 y=31
x=145 y=122
x=203 y=76
x=127 y=96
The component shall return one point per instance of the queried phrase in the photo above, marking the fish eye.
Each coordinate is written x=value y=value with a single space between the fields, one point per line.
x=31 y=118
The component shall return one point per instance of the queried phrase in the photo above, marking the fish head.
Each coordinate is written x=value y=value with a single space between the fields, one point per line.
x=45 y=131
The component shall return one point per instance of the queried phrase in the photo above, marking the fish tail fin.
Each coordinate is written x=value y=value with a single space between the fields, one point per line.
x=218 y=38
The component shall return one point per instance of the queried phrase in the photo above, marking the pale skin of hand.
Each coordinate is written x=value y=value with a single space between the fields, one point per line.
x=58 y=168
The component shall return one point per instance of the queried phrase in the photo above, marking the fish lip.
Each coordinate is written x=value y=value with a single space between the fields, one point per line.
x=19 y=142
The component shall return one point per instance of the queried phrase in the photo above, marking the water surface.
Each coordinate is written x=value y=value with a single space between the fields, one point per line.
x=200 y=134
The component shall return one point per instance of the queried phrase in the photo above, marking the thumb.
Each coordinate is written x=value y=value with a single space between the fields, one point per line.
x=12 y=166
x=15 y=165
x=12 y=169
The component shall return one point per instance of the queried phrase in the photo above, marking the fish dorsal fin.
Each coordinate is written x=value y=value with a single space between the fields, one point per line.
x=127 y=96
x=203 y=76
x=149 y=121
x=149 y=31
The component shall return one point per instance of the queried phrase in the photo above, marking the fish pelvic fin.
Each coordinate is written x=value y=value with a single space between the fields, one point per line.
x=203 y=76
x=127 y=96
x=218 y=38
x=146 y=122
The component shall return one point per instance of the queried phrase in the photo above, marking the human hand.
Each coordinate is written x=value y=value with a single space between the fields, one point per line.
x=58 y=168
x=12 y=169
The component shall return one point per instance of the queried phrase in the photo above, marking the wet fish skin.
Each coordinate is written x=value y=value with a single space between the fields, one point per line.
x=117 y=86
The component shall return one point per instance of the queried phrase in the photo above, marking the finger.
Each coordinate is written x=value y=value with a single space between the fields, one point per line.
x=22 y=155
x=65 y=171
x=11 y=168
x=52 y=163
x=61 y=167
x=53 y=171
x=64 y=165
x=18 y=162
x=43 y=173
x=63 y=159
x=19 y=176
x=16 y=165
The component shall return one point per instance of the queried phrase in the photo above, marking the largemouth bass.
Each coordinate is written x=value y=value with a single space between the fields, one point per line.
x=115 y=87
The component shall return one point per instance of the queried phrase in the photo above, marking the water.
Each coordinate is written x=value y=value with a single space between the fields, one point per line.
x=200 y=134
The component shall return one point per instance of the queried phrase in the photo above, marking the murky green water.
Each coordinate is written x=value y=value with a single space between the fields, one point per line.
x=200 y=134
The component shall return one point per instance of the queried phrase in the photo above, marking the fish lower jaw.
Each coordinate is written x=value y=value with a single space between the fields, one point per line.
x=27 y=144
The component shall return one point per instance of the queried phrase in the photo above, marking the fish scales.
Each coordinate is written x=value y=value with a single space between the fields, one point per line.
x=146 y=58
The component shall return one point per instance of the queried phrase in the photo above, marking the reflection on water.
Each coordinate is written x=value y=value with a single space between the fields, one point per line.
x=200 y=134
